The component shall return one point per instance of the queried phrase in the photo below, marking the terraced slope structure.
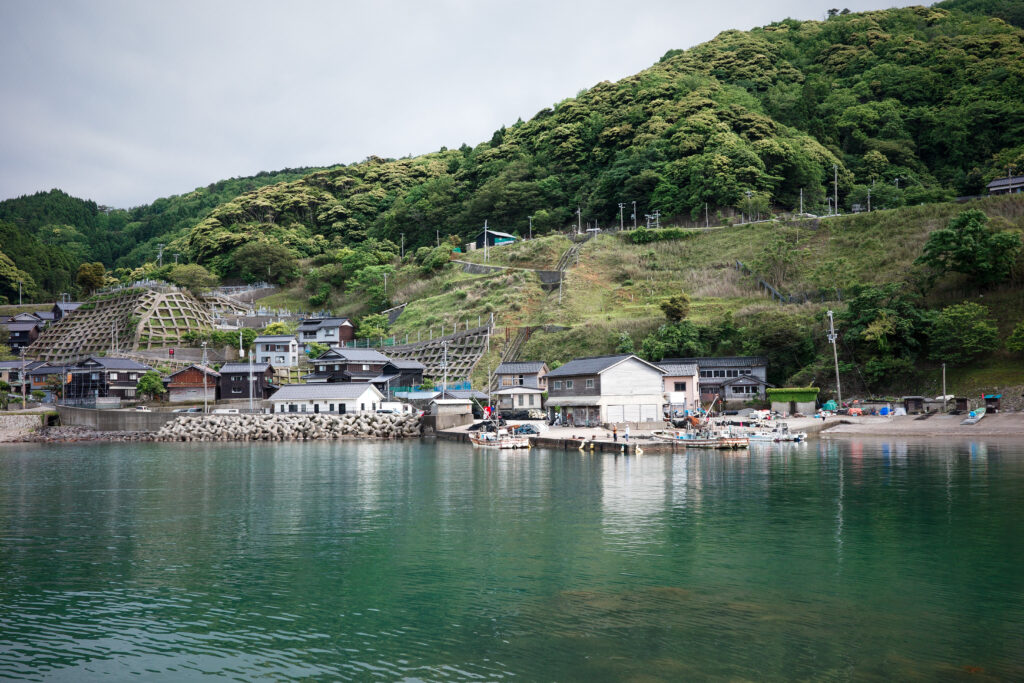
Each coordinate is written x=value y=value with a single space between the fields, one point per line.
x=125 y=320
x=464 y=350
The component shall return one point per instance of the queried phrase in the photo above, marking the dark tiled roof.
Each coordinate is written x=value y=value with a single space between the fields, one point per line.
x=21 y=327
x=306 y=392
x=407 y=364
x=118 y=363
x=243 y=367
x=362 y=355
x=209 y=371
x=46 y=370
x=721 y=362
x=527 y=367
x=1013 y=181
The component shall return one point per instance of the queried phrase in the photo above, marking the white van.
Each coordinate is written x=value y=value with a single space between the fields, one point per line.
x=226 y=411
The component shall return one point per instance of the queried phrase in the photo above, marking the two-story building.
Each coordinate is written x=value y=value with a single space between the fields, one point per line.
x=348 y=397
x=279 y=350
x=237 y=378
x=97 y=377
x=607 y=390
x=21 y=334
x=330 y=331
x=399 y=375
x=733 y=379
x=521 y=385
x=682 y=386
x=347 y=365
x=62 y=309
x=193 y=384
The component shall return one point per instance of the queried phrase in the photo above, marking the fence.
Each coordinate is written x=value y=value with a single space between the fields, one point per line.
x=798 y=298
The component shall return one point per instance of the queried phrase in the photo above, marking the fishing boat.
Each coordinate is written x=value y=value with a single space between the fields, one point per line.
x=974 y=417
x=702 y=439
x=501 y=439
x=776 y=433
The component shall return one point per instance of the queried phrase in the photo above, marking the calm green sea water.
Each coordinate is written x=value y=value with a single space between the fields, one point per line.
x=852 y=560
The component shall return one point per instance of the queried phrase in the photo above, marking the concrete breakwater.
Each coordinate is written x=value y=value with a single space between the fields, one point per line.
x=288 y=427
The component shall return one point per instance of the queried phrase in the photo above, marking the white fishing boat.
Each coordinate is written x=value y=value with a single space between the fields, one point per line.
x=501 y=439
x=702 y=439
x=776 y=433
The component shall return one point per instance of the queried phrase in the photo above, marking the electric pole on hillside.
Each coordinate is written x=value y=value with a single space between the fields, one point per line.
x=832 y=337
x=444 y=367
x=206 y=408
x=403 y=245
x=801 y=201
x=160 y=254
x=579 y=221
x=621 y=207
x=531 y=226
x=485 y=241
x=634 y=215
x=835 y=188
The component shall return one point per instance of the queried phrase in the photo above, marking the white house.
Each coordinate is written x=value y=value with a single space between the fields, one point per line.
x=333 y=332
x=279 y=350
x=607 y=390
x=342 y=397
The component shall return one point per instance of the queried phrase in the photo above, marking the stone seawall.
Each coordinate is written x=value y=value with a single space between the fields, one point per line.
x=288 y=427
x=17 y=427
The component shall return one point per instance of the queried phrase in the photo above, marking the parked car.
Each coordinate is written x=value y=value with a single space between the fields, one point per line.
x=143 y=409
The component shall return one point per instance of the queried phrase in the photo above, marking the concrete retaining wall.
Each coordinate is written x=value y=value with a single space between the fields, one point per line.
x=15 y=426
x=114 y=420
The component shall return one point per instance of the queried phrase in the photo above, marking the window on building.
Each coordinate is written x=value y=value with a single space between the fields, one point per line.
x=705 y=373
x=280 y=407
x=303 y=408
x=590 y=384
x=519 y=380
x=733 y=373
x=522 y=400
x=506 y=381
x=94 y=375
x=362 y=406
x=558 y=384
x=568 y=384
x=280 y=359
x=719 y=373
x=744 y=372
x=532 y=397
x=680 y=386
x=292 y=408
x=113 y=376
x=365 y=368
x=332 y=407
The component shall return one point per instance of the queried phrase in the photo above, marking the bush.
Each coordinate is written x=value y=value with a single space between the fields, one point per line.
x=645 y=236
x=1015 y=343
x=962 y=332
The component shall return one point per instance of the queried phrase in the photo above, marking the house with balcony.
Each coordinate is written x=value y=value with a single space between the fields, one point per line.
x=521 y=385
x=347 y=365
x=682 y=386
x=601 y=390
x=21 y=334
x=237 y=378
x=333 y=332
x=279 y=350
x=97 y=377
x=733 y=379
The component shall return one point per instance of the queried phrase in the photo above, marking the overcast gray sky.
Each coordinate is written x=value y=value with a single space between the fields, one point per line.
x=123 y=102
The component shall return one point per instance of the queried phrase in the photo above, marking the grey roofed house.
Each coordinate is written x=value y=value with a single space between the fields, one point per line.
x=594 y=365
x=721 y=361
x=117 y=363
x=1006 y=185
x=520 y=367
x=306 y=392
x=673 y=369
x=407 y=364
x=361 y=355
x=243 y=367
x=22 y=326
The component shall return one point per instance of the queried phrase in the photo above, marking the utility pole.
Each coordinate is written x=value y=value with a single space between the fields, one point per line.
x=801 y=201
x=707 y=222
x=486 y=256
x=634 y=215
x=869 y=200
x=19 y=292
x=251 y=378
x=403 y=245
x=160 y=254
x=579 y=221
x=621 y=207
x=23 y=378
x=444 y=367
x=437 y=235
x=176 y=255
x=835 y=184
x=206 y=408
x=832 y=337
x=943 y=387
x=531 y=226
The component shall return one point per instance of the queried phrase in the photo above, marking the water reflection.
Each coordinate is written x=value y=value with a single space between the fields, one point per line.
x=867 y=558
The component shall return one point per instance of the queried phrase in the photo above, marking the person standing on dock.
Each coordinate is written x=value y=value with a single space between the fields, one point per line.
x=615 y=433
x=626 y=436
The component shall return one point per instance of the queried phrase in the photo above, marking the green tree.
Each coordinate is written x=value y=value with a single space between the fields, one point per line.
x=150 y=385
x=625 y=344
x=55 y=385
x=967 y=246
x=279 y=328
x=1015 y=342
x=776 y=261
x=316 y=349
x=267 y=261
x=676 y=307
x=5 y=350
x=962 y=333
x=91 y=276
x=373 y=325
x=192 y=277
x=672 y=339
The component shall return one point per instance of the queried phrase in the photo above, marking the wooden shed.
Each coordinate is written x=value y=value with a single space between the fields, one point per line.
x=961 y=404
x=992 y=402
x=913 y=404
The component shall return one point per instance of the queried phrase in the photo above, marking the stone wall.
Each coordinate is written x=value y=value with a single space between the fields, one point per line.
x=114 y=420
x=15 y=427
x=288 y=427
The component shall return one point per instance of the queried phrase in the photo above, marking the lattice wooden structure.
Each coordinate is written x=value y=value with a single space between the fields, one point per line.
x=124 y=320
x=464 y=351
